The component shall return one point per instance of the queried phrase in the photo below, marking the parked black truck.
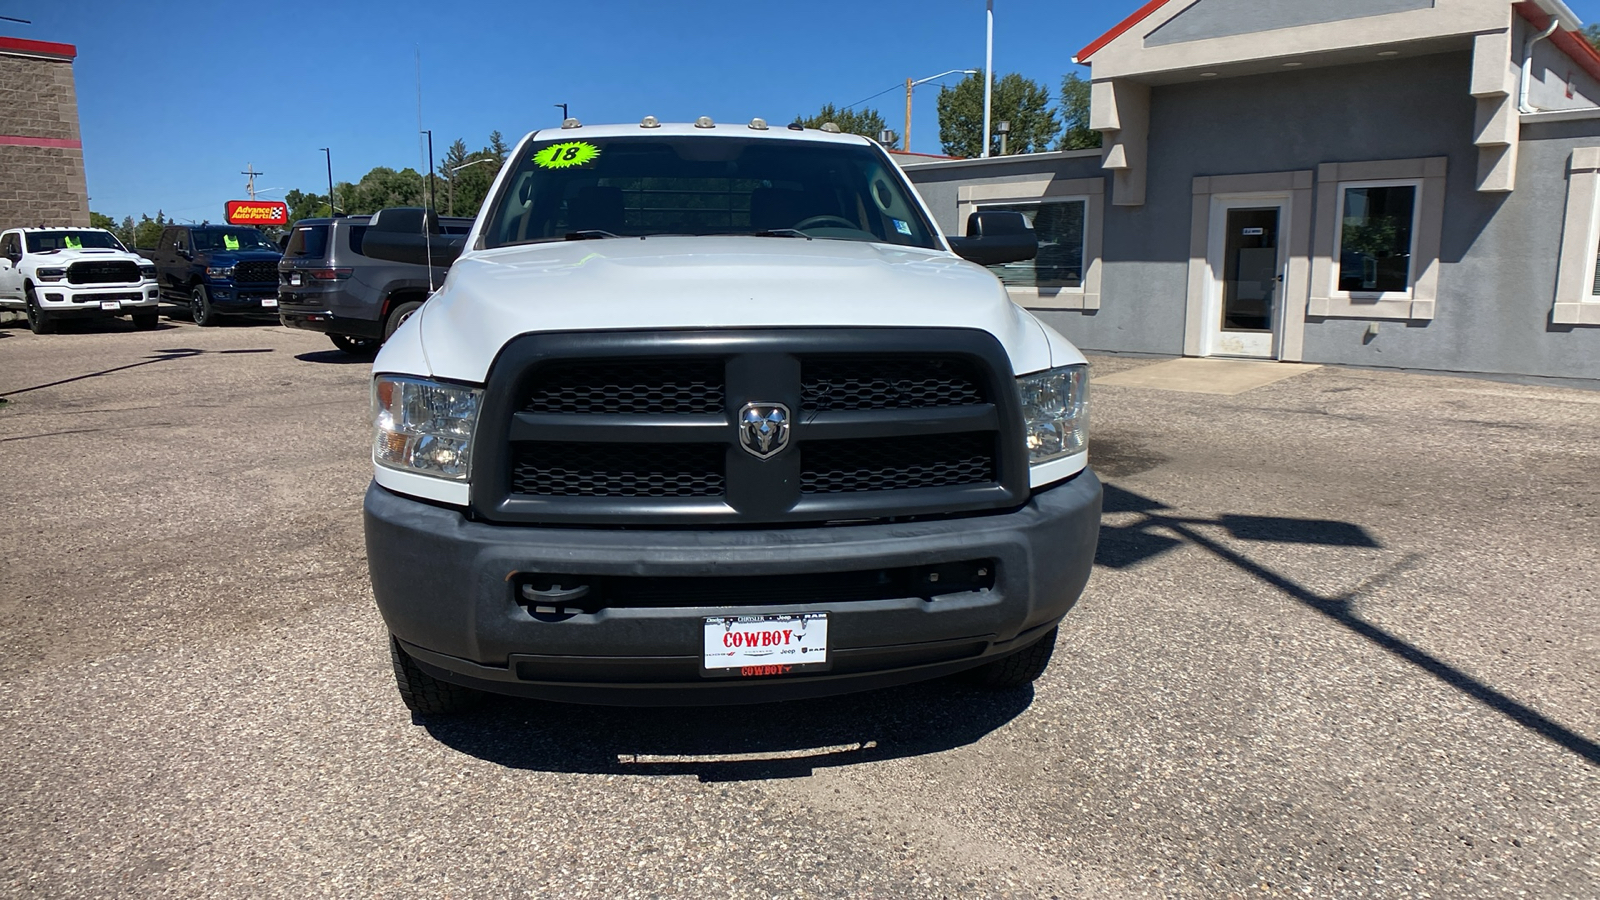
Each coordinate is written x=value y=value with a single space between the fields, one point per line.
x=216 y=270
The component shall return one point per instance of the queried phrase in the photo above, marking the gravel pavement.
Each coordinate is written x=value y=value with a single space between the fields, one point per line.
x=1343 y=640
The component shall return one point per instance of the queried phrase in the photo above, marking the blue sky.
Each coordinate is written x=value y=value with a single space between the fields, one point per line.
x=175 y=98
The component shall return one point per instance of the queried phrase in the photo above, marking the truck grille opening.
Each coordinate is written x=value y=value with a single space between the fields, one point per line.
x=570 y=469
x=109 y=272
x=255 y=272
x=638 y=387
x=570 y=594
x=834 y=383
x=888 y=464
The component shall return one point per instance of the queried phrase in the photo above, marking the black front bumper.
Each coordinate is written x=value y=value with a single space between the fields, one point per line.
x=446 y=587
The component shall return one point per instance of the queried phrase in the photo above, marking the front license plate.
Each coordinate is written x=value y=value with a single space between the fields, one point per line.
x=110 y=304
x=269 y=301
x=765 y=645
x=294 y=278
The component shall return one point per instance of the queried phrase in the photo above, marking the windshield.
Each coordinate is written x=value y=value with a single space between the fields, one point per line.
x=46 y=241
x=697 y=185
x=231 y=239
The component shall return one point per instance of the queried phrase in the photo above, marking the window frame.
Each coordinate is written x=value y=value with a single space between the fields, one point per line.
x=1576 y=301
x=1418 y=304
x=1343 y=188
x=1083 y=257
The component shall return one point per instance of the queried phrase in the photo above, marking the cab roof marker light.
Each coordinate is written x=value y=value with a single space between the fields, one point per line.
x=796 y=126
x=758 y=124
x=571 y=123
x=650 y=122
x=704 y=122
x=830 y=128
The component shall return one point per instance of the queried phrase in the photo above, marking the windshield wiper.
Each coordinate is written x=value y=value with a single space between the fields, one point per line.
x=590 y=234
x=782 y=232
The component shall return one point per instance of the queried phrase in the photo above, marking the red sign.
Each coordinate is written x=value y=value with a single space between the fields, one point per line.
x=257 y=212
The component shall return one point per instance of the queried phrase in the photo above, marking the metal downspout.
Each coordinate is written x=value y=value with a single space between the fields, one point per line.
x=1527 y=65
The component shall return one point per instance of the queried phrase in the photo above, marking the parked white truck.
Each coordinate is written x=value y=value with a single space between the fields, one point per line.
x=54 y=274
x=715 y=414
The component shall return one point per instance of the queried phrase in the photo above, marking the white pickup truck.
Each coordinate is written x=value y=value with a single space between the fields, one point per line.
x=75 y=273
x=715 y=414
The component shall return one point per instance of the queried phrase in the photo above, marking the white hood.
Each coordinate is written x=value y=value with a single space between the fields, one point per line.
x=68 y=257
x=492 y=296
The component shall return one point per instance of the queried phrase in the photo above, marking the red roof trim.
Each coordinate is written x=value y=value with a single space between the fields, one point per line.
x=38 y=48
x=12 y=140
x=1144 y=12
x=1570 y=43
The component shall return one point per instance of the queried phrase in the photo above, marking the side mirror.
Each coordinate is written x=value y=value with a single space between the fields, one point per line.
x=995 y=237
x=397 y=235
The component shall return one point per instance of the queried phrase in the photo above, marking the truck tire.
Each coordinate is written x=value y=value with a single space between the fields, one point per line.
x=38 y=321
x=1018 y=669
x=424 y=694
x=146 y=321
x=398 y=317
x=355 y=346
x=200 y=307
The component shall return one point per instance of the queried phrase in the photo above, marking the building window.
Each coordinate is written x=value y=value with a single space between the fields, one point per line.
x=1377 y=237
x=1059 y=227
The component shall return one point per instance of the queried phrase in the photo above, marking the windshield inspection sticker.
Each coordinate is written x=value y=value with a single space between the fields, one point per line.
x=902 y=227
x=566 y=155
x=230 y=242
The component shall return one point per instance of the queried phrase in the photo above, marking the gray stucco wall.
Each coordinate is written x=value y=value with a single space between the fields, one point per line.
x=1498 y=251
x=1220 y=18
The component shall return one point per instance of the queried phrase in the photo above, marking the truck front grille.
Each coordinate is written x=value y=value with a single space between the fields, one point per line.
x=640 y=428
x=108 y=272
x=255 y=272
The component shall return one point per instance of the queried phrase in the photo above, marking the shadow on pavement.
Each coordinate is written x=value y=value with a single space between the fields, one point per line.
x=730 y=743
x=1127 y=545
x=333 y=357
x=158 y=356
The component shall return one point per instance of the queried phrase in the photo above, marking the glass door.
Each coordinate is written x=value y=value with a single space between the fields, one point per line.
x=1246 y=318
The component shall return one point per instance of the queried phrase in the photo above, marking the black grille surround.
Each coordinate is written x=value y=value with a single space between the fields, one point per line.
x=636 y=428
x=261 y=271
x=106 y=272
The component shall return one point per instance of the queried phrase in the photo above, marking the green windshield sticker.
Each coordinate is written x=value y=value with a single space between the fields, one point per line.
x=73 y=243
x=566 y=155
x=230 y=241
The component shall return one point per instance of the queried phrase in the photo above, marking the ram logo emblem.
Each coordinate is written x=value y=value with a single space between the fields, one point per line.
x=764 y=429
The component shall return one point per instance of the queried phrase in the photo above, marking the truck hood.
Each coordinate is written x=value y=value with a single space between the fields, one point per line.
x=68 y=257
x=492 y=296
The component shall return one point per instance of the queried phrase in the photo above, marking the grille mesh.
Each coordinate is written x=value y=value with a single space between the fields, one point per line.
x=649 y=387
x=570 y=469
x=110 y=272
x=255 y=271
x=916 y=383
x=888 y=464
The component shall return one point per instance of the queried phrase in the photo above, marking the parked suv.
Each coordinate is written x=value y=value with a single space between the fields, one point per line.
x=216 y=270
x=326 y=284
x=716 y=415
x=74 y=273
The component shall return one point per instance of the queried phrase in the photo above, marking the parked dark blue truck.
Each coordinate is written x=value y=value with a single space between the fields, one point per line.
x=217 y=270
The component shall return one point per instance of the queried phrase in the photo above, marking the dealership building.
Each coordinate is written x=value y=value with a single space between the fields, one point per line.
x=1396 y=183
x=41 y=152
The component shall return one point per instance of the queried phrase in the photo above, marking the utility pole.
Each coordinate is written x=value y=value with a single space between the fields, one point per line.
x=907 y=145
x=250 y=185
x=330 y=180
x=988 y=77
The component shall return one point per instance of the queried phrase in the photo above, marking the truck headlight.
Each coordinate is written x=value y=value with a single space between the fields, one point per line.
x=219 y=271
x=148 y=272
x=424 y=426
x=1055 y=413
x=50 y=274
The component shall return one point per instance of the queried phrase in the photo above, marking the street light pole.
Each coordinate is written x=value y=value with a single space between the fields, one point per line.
x=329 y=154
x=911 y=84
x=563 y=110
x=988 y=76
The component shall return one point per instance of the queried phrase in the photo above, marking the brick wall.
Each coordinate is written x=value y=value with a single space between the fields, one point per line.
x=40 y=185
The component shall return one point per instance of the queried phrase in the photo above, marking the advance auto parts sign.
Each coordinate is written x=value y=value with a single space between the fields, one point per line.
x=257 y=212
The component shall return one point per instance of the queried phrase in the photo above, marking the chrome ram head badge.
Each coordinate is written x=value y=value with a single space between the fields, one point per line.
x=764 y=429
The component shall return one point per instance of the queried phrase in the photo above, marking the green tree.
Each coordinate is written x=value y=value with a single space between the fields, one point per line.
x=306 y=206
x=1022 y=102
x=148 y=231
x=497 y=146
x=1591 y=33
x=867 y=123
x=1075 y=131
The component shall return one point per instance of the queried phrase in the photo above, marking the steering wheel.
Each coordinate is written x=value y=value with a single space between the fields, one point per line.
x=817 y=221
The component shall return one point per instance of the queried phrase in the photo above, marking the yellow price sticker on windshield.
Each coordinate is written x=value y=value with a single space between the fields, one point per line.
x=230 y=242
x=566 y=155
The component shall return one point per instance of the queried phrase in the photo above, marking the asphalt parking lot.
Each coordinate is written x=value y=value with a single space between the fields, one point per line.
x=1343 y=640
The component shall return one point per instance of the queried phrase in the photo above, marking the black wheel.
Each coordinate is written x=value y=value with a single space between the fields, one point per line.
x=38 y=322
x=398 y=317
x=355 y=346
x=200 y=307
x=1020 y=668
x=424 y=694
x=146 y=321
